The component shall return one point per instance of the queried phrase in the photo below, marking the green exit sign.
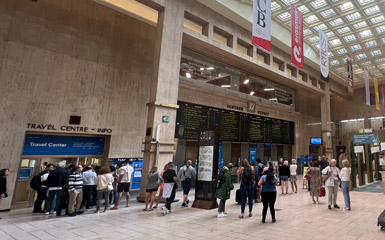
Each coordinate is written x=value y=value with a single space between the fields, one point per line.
x=165 y=119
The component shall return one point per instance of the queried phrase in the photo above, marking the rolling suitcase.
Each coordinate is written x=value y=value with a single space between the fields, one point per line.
x=381 y=220
x=238 y=198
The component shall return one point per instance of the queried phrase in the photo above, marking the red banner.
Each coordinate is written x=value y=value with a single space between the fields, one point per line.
x=383 y=96
x=296 y=37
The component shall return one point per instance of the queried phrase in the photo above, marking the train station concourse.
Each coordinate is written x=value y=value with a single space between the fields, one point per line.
x=192 y=119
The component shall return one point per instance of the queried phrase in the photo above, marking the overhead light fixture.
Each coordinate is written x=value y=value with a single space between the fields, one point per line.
x=202 y=68
x=252 y=93
x=268 y=89
x=210 y=68
x=273 y=99
x=343 y=121
x=246 y=81
x=360 y=119
x=188 y=75
x=226 y=86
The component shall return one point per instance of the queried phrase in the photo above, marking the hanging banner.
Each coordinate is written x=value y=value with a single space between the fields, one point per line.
x=262 y=24
x=349 y=62
x=358 y=149
x=296 y=37
x=383 y=96
x=324 y=56
x=372 y=138
x=376 y=94
x=367 y=89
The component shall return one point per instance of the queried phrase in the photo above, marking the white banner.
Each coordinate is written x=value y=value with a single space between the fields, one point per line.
x=375 y=149
x=262 y=24
x=358 y=149
x=383 y=146
x=324 y=56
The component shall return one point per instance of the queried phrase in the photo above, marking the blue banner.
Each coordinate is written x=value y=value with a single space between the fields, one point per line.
x=220 y=158
x=57 y=145
x=366 y=138
x=253 y=155
x=25 y=174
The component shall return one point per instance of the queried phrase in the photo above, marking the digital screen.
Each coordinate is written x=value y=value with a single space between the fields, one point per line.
x=233 y=126
x=138 y=174
x=316 y=141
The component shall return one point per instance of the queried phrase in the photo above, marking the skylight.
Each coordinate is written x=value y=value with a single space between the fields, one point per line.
x=363 y=2
x=353 y=16
x=311 y=19
x=343 y=30
x=303 y=9
x=361 y=56
x=360 y=25
x=318 y=3
x=372 y=10
x=380 y=29
x=350 y=38
x=330 y=54
x=275 y=6
x=284 y=16
x=328 y=13
x=371 y=43
x=335 y=63
x=289 y=2
x=341 y=51
x=314 y=39
x=366 y=63
x=366 y=33
x=335 y=42
x=336 y=22
x=307 y=31
x=377 y=19
x=320 y=27
x=346 y=6
x=380 y=60
x=330 y=34
x=375 y=53
x=356 y=47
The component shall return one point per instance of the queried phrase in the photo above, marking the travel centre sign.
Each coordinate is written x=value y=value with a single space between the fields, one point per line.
x=67 y=128
x=366 y=138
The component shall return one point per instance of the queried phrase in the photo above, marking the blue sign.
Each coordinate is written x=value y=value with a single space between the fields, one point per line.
x=24 y=174
x=253 y=155
x=366 y=138
x=220 y=159
x=57 y=145
x=316 y=141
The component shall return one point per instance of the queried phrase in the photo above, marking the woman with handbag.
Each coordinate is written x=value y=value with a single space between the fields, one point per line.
x=153 y=181
x=315 y=182
x=268 y=182
x=103 y=187
x=330 y=175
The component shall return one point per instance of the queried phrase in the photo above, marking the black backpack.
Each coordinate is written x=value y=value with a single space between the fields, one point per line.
x=247 y=176
x=220 y=179
x=35 y=182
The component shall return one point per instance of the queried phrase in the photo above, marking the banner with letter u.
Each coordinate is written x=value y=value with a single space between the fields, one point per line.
x=324 y=56
x=296 y=37
x=262 y=24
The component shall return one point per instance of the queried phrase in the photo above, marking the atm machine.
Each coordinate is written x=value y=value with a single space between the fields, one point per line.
x=137 y=165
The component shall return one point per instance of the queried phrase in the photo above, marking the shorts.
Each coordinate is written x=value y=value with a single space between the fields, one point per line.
x=152 y=190
x=186 y=187
x=124 y=187
x=293 y=178
x=284 y=178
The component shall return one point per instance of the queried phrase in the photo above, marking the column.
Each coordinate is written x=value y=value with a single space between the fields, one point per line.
x=326 y=128
x=164 y=89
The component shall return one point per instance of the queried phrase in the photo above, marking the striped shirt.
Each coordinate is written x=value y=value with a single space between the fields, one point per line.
x=75 y=181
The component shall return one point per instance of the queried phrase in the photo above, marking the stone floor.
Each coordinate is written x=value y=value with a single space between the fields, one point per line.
x=297 y=218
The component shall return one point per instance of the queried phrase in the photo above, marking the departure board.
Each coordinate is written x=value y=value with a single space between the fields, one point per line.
x=233 y=126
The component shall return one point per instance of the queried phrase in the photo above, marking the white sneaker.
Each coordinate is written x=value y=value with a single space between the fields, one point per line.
x=221 y=215
x=46 y=213
x=226 y=213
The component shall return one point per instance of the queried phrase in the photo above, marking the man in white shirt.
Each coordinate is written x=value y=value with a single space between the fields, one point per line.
x=124 y=182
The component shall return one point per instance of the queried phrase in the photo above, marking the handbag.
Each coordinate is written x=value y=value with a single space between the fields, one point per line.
x=327 y=176
x=110 y=187
x=322 y=192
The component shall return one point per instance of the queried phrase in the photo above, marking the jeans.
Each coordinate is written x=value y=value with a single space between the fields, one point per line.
x=170 y=199
x=50 y=204
x=88 y=191
x=41 y=196
x=332 y=191
x=102 y=194
x=268 y=200
x=246 y=192
x=76 y=197
x=345 y=191
x=221 y=207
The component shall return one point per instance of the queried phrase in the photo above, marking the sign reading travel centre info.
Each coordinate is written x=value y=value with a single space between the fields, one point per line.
x=296 y=37
x=262 y=24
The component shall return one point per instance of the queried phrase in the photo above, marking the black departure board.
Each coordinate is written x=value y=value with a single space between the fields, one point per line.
x=233 y=126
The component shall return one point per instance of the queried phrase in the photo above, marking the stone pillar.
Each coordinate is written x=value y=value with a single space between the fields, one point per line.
x=326 y=128
x=367 y=123
x=164 y=89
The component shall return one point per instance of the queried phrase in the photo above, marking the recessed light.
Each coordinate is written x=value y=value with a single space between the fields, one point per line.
x=210 y=68
x=268 y=89
x=226 y=86
x=252 y=93
x=188 y=75
x=246 y=81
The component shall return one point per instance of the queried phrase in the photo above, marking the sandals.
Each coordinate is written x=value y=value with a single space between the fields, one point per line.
x=145 y=210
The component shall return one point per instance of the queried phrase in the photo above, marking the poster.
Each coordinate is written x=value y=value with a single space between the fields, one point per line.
x=367 y=89
x=304 y=172
x=370 y=138
x=376 y=94
x=205 y=165
x=262 y=24
x=358 y=149
x=324 y=56
x=375 y=149
x=383 y=146
x=349 y=62
x=297 y=57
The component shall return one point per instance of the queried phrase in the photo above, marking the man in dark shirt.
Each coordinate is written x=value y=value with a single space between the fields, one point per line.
x=42 y=190
x=170 y=186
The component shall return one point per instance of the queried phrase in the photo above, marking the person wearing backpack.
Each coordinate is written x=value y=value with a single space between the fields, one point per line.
x=258 y=174
x=186 y=175
x=223 y=190
x=247 y=184
x=39 y=183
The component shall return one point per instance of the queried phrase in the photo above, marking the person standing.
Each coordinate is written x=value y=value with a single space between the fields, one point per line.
x=323 y=163
x=75 y=191
x=55 y=183
x=89 y=186
x=3 y=184
x=124 y=181
x=280 y=165
x=269 y=193
x=153 y=181
x=104 y=186
x=345 y=182
x=161 y=186
x=284 y=171
x=258 y=174
x=223 y=193
x=247 y=176
x=332 y=183
x=293 y=175
x=42 y=189
x=170 y=186
x=186 y=175
x=315 y=182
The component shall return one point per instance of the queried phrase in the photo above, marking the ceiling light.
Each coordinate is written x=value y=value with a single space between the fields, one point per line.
x=268 y=89
x=246 y=81
x=363 y=2
x=335 y=62
x=273 y=99
x=380 y=60
x=210 y=68
x=202 y=68
x=330 y=54
x=330 y=34
x=366 y=63
x=188 y=75
x=226 y=86
x=343 y=121
x=320 y=27
x=314 y=39
x=252 y=93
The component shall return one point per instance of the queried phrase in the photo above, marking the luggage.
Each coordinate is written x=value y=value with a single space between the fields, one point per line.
x=381 y=220
x=322 y=192
x=238 y=197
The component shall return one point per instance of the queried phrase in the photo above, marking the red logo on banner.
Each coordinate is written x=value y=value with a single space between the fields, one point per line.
x=296 y=37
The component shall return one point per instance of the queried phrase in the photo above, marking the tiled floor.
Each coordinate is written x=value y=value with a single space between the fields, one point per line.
x=297 y=218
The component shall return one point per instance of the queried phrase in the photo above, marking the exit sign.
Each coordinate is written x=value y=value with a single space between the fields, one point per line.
x=165 y=119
